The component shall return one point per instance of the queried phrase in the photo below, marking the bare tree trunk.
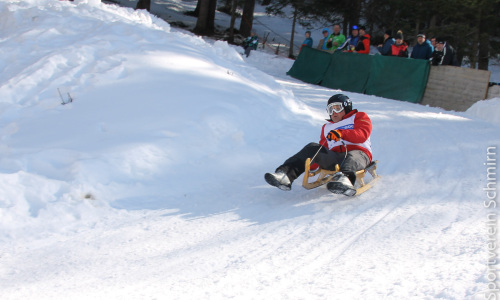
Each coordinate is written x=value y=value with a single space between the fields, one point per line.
x=247 y=17
x=417 y=29
x=144 y=4
x=346 y=30
x=205 y=25
x=432 y=26
x=290 y=50
x=227 y=5
x=355 y=12
x=197 y=9
x=475 y=49
x=484 y=51
x=484 y=43
x=201 y=23
x=212 y=7
x=233 y=20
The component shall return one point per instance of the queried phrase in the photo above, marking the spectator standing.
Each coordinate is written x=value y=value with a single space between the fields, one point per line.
x=336 y=38
x=351 y=42
x=363 y=45
x=308 y=42
x=251 y=43
x=400 y=48
x=444 y=54
x=385 y=47
x=322 y=43
x=433 y=42
x=423 y=49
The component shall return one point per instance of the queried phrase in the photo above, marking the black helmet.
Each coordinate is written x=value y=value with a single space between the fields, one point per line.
x=346 y=102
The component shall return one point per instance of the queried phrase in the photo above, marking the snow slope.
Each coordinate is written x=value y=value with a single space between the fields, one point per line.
x=149 y=185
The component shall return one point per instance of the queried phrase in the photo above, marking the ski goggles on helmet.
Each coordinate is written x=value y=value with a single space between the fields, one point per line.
x=334 y=107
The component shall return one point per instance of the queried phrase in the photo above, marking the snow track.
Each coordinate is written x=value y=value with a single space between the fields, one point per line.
x=150 y=184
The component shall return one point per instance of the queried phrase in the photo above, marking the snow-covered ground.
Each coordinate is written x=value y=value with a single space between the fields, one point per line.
x=276 y=30
x=149 y=184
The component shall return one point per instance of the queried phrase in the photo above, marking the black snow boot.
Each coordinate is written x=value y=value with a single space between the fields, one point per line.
x=341 y=184
x=279 y=180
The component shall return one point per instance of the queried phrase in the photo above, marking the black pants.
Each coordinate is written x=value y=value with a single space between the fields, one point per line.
x=247 y=50
x=354 y=161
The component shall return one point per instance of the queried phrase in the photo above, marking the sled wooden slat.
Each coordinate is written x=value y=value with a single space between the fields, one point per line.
x=366 y=187
x=324 y=176
x=362 y=186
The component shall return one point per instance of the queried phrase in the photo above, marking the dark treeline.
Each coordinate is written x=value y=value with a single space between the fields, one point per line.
x=472 y=27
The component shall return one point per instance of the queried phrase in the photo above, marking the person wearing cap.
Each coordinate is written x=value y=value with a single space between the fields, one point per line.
x=423 y=49
x=251 y=43
x=351 y=41
x=444 y=54
x=385 y=47
x=344 y=140
x=363 y=45
x=324 y=40
x=400 y=48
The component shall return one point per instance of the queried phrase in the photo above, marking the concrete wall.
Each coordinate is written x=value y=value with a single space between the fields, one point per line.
x=454 y=88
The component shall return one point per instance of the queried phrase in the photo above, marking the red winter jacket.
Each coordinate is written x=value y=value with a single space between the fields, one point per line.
x=355 y=128
x=363 y=45
x=399 y=50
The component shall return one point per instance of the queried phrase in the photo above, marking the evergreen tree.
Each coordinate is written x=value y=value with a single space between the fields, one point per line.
x=346 y=12
x=468 y=25
x=471 y=27
x=302 y=12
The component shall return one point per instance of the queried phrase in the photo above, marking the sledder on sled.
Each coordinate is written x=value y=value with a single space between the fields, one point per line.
x=340 y=160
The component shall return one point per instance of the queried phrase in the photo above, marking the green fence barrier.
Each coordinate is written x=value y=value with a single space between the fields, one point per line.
x=385 y=76
x=398 y=78
x=348 y=72
x=311 y=65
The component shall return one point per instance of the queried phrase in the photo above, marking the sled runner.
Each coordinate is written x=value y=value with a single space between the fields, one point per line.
x=324 y=176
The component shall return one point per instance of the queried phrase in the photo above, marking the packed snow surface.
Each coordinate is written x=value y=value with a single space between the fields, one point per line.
x=148 y=182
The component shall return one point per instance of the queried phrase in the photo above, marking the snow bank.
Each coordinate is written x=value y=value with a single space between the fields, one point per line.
x=488 y=110
x=150 y=107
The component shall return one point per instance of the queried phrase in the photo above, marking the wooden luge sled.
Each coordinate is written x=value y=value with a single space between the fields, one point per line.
x=324 y=176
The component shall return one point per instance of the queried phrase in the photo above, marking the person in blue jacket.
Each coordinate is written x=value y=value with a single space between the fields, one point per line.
x=308 y=42
x=351 y=41
x=423 y=49
x=385 y=48
x=324 y=40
